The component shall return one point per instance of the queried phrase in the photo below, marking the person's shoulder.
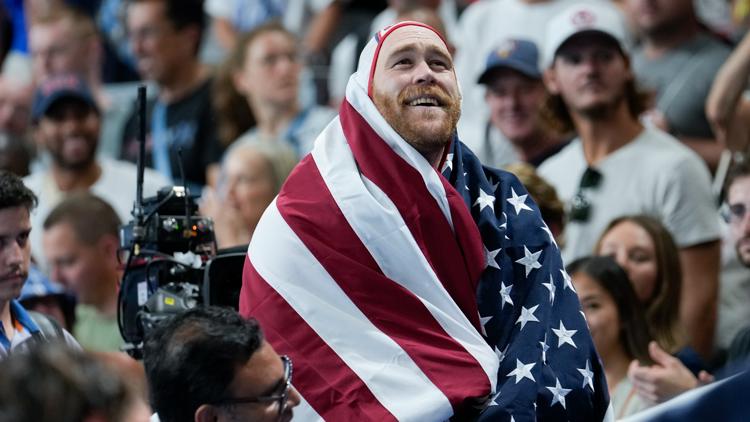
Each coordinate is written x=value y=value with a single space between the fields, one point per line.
x=711 y=45
x=34 y=180
x=562 y=160
x=664 y=149
x=477 y=12
x=125 y=171
x=321 y=113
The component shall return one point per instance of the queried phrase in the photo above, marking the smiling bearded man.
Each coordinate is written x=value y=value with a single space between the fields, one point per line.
x=404 y=293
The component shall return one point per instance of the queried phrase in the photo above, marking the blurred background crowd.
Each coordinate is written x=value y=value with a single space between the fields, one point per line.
x=239 y=90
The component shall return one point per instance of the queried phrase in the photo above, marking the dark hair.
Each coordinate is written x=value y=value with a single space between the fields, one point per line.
x=52 y=382
x=90 y=217
x=634 y=333
x=555 y=115
x=183 y=13
x=663 y=309
x=740 y=168
x=191 y=358
x=13 y=193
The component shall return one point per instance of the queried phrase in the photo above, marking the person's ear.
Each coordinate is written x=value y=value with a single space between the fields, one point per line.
x=550 y=81
x=207 y=413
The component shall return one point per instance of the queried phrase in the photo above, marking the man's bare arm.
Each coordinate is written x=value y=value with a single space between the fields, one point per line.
x=700 y=275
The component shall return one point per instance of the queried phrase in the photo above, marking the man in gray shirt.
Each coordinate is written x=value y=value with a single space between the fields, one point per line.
x=678 y=60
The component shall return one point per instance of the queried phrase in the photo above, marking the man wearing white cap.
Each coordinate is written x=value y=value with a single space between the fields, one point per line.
x=617 y=167
x=406 y=293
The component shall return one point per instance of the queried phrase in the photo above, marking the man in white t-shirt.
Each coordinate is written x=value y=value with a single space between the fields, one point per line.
x=617 y=167
x=66 y=124
x=481 y=28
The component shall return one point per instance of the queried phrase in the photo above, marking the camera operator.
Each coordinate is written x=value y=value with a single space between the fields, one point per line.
x=210 y=364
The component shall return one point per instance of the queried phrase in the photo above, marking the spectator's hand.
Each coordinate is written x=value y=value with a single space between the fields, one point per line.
x=667 y=378
x=656 y=118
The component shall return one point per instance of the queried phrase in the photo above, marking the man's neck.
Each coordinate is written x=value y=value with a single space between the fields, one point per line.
x=6 y=319
x=69 y=179
x=189 y=77
x=271 y=118
x=601 y=137
x=106 y=305
x=659 y=43
x=616 y=365
x=536 y=145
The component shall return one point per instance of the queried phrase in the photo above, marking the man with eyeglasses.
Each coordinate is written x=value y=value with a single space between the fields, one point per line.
x=617 y=166
x=210 y=364
x=734 y=316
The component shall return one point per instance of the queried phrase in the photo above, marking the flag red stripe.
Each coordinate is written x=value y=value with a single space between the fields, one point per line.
x=312 y=213
x=329 y=386
x=457 y=261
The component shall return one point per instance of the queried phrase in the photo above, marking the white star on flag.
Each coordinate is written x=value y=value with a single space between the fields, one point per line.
x=545 y=347
x=558 y=393
x=505 y=222
x=485 y=200
x=588 y=376
x=484 y=320
x=505 y=295
x=518 y=202
x=530 y=260
x=568 y=282
x=527 y=315
x=490 y=257
x=448 y=162
x=564 y=336
x=494 y=185
x=501 y=355
x=494 y=400
x=522 y=371
x=551 y=287
x=549 y=233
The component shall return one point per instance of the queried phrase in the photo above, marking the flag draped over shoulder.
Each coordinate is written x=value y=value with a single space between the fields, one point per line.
x=378 y=277
x=529 y=310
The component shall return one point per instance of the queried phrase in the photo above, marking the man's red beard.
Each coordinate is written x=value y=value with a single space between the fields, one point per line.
x=425 y=138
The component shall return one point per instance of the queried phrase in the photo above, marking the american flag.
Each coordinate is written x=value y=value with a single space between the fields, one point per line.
x=529 y=310
x=404 y=294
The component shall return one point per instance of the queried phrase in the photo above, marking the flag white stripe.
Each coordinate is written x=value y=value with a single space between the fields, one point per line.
x=388 y=239
x=387 y=370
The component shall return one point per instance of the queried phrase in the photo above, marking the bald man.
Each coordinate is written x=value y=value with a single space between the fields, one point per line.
x=400 y=286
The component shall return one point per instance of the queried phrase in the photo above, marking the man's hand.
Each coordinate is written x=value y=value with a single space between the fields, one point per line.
x=667 y=378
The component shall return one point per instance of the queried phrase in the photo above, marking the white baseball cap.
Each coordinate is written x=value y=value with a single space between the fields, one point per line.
x=583 y=17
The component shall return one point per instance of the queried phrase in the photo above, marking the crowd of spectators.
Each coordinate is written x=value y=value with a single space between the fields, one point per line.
x=633 y=136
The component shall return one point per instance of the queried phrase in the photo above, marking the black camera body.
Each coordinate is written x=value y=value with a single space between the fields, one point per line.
x=169 y=246
x=172 y=262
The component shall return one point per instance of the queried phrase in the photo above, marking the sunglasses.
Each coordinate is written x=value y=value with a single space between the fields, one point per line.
x=580 y=206
x=281 y=400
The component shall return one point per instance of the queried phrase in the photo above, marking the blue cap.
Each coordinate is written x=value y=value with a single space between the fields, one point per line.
x=516 y=54
x=58 y=87
x=38 y=285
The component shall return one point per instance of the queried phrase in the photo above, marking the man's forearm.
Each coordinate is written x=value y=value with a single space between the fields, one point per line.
x=700 y=269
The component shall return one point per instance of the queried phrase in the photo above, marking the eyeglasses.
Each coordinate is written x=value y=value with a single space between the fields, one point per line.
x=733 y=213
x=580 y=207
x=280 y=400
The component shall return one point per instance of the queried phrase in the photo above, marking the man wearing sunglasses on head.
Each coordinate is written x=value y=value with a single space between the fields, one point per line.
x=210 y=364
x=617 y=166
